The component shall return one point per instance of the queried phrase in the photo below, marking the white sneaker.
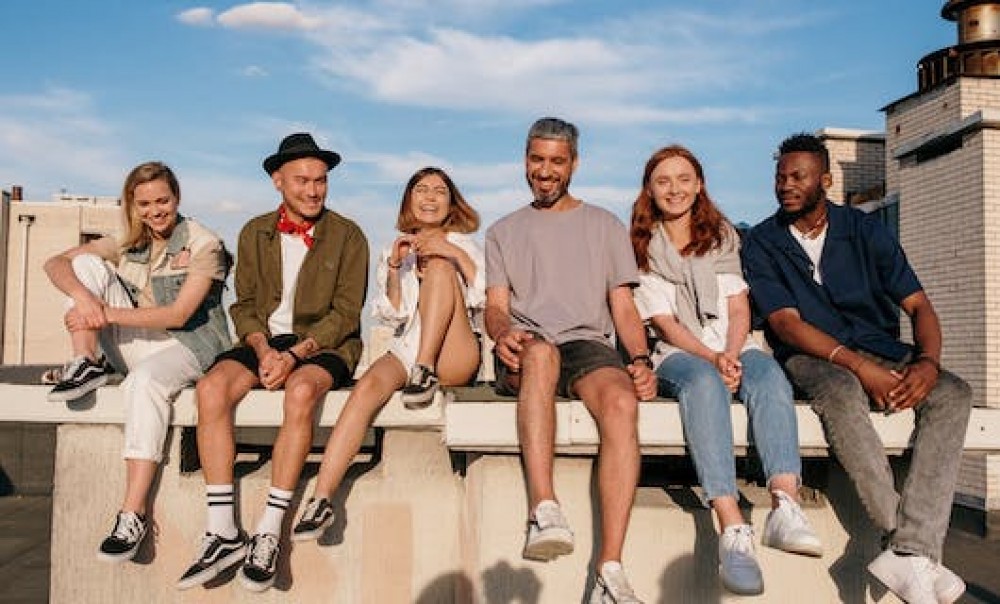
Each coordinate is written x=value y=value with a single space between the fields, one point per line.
x=549 y=535
x=788 y=529
x=612 y=586
x=948 y=587
x=912 y=578
x=738 y=566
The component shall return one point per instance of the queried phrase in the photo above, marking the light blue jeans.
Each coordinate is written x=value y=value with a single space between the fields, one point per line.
x=708 y=429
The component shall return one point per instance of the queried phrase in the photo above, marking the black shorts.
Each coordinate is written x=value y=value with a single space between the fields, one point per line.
x=577 y=358
x=328 y=361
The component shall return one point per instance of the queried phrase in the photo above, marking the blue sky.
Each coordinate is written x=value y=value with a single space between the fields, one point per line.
x=92 y=88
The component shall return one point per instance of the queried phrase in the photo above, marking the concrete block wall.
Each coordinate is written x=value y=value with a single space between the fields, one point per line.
x=942 y=231
x=916 y=118
x=56 y=227
x=416 y=528
x=857 y=162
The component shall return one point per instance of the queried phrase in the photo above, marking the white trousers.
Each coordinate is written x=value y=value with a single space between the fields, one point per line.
x=158 y=367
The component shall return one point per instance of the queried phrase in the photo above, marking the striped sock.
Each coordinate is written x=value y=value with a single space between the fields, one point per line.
x=221 y=515
x=277 y=503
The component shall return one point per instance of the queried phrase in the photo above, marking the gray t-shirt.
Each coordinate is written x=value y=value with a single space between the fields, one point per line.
x=559 y=267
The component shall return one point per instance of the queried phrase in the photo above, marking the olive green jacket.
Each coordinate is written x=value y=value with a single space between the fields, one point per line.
x=329 y=292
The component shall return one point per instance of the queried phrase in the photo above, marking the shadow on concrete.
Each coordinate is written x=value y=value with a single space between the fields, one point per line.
x=505 y=584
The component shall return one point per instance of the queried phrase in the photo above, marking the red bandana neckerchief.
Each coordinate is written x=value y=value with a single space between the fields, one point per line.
x=285 y=225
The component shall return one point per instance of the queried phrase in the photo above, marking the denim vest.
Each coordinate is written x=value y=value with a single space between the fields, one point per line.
x=206 y=333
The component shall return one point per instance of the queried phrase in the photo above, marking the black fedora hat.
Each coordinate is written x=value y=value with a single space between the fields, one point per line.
x=297 y=146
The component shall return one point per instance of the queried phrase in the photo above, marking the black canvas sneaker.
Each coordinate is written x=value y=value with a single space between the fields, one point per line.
x=316 y=518
x=80 y=377
x=216 y=555
x=261 y=564
x=125 y=538
x=420 y=387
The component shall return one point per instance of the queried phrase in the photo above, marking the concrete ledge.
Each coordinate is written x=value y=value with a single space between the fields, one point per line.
x=261 y=408
x=474 y=419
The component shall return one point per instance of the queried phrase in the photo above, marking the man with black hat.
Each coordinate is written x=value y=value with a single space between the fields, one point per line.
x=301 y=276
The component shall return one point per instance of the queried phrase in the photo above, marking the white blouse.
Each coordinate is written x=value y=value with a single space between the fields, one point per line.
x=405 y=320
x=657 y=296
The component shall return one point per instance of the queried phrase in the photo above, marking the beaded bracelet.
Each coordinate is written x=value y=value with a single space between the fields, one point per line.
x=834 y=352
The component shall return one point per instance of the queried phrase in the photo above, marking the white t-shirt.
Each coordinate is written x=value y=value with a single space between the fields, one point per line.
x=813 y=248
x=657 y=296
x=293 y=253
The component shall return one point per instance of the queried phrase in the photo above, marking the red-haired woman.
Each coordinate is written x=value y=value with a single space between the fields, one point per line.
x=430 y=280
x=693 y=295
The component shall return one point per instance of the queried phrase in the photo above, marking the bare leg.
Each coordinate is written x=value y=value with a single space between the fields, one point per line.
x=218 y=393
x=305 y=388
x=786 y=483
x=536 y=417
x=727 y=510
x=139 y=475
x=459 y=354
x=610 y=398
x=370 y=394
x=84 y=343
x=439 y=302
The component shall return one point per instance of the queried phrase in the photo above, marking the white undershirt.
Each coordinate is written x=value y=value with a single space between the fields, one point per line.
x=293 y=252
x=813 y=248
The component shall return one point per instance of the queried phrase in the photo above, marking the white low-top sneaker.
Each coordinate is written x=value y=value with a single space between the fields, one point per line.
x=612 y=586
x=788 y=529
x=948 y=587
x=549 y=534
x=738 y=567
x=911 y=578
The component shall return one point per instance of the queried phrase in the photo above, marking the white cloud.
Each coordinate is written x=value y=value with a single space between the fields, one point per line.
x=200 y=16
x=54 y=140
x=649 y=66
x=595 y=76
x=268 y=15
x=254 y=71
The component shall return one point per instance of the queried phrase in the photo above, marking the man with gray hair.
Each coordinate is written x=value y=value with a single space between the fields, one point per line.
x=559 y=279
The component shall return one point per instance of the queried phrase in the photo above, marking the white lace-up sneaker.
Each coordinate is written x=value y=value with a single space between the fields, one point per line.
x=948 y=587
x=549 y=535
x=738 y=566
x=912 y=578
x=788 y=529
x=612 y=586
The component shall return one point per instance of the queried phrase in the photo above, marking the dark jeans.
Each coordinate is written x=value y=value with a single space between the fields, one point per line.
x=915 y=520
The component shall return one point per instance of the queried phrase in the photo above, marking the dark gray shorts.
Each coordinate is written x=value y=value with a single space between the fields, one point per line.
x=577 y=358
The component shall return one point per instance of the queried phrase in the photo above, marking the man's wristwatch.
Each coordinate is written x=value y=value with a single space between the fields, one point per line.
x=644 y=359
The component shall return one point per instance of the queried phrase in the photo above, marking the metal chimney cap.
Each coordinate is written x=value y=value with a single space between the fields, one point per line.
x=952 y=8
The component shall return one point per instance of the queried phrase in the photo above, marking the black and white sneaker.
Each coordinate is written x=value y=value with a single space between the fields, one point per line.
x=216 y=555
x=261 y=564
x=316 y=518
x=80 y=377
x=125 y=538
x=420 y=387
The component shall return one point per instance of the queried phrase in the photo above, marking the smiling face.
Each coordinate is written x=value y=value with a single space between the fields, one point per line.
x=800 y=182
x=156 y=207
x=430 y=201
x=302 y=184
x=549 y=166
x=674 y=186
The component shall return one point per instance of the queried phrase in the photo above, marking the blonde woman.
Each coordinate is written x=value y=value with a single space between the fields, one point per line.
x=152 y=303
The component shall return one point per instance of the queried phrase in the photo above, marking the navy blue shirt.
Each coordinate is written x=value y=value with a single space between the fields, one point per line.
x=865 y=278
